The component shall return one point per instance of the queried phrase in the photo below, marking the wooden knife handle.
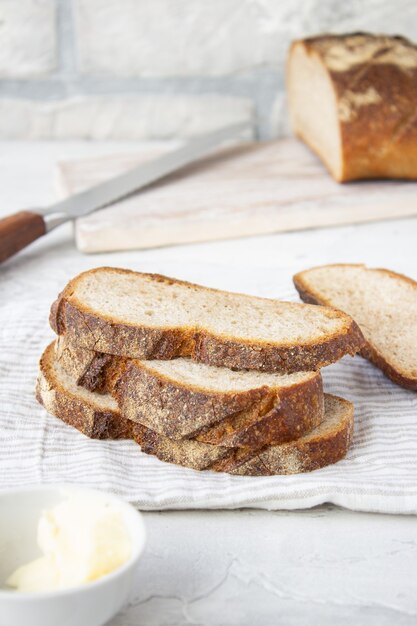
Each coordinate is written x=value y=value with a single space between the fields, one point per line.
x=18 y=231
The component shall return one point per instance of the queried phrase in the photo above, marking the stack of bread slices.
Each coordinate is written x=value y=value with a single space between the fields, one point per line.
x=206 y=379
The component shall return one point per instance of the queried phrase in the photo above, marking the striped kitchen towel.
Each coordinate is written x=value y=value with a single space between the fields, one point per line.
x=379 y=473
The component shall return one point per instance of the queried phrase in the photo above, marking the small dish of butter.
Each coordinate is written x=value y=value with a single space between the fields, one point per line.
x=67 y=555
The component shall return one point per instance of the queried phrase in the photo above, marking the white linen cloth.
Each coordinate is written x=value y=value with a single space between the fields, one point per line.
x=379 y=473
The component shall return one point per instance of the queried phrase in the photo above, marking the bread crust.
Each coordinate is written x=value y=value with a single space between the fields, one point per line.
x=95 y=371
x=297 y=412
x=74 y=410
x=310 y=452
x=102 y=334
x=302 y=455
x=374 y=79
x=187 y=452
x=250 y=418
x=305 y=454
x=368 y=351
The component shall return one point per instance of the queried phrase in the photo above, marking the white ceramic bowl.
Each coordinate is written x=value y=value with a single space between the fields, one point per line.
x=91 y=604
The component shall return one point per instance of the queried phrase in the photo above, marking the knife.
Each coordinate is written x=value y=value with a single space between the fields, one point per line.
x=19 y=230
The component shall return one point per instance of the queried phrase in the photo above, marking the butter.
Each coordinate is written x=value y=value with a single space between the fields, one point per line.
x=82 y=539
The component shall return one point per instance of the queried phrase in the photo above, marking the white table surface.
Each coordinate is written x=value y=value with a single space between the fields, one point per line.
x=323 y=566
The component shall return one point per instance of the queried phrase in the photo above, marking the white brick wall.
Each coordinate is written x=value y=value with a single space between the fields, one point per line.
x=216 y=37
x=137 y=117
x=161 y=68
x=178 y=38
x=27 y=38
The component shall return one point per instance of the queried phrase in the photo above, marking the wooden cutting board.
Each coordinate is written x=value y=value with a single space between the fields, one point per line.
x=254 y=189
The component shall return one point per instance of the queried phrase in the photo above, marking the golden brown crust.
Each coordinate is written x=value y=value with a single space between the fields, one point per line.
x=83 y=413
x=306 y=454
x=74 y=410
x=94 y=371
x=297 y=412
x=85 y=328
x=368 y=351
x=269 y=358
x=173 y=409
x=253 y=417
x=303 y=455
x=188 y=453
x=374 y=78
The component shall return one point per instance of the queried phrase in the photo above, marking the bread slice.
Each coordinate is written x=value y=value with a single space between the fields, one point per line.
x=147 y=316
x=97 y=415
x=352 y=100
x=383 y=303
x=184 y=399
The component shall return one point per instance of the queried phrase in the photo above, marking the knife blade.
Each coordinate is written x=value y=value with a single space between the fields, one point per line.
x=19 y=230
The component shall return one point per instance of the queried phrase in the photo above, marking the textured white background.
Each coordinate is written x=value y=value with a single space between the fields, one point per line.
x=130 y=69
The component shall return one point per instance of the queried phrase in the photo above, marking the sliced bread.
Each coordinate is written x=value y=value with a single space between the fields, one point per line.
x=183 y=399
x=383 y=303
x=97 y=415
x=325 y=445
x=148 y=316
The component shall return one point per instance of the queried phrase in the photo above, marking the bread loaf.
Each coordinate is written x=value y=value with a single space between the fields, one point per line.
x=353 y=100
